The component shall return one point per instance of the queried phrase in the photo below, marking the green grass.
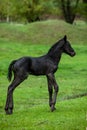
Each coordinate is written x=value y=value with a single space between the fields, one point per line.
x=31 y=110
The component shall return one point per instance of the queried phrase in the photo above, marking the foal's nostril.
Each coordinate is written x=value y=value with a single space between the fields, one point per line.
x=73 y=54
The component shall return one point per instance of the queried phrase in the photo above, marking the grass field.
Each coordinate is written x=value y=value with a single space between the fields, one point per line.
x=31 y=109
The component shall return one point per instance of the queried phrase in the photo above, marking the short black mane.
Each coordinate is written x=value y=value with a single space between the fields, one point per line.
x=54 y=47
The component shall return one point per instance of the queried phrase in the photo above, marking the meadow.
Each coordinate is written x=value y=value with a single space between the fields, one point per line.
x=31 y=109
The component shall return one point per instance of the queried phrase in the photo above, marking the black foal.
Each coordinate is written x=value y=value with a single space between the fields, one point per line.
x=44 y=65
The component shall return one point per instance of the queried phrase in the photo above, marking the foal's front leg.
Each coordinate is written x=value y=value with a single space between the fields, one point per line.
x=50 y=89
x=56 y=89
x=52 y=82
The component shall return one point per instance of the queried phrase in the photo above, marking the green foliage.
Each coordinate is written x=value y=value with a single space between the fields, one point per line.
x=24 y=11
x=33 y=11
x=82 y=10
x=31 y=110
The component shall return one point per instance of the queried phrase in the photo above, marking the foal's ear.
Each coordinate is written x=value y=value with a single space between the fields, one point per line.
x=65 y=38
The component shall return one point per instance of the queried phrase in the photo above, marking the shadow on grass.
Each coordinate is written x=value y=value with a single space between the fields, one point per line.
x=75 y=96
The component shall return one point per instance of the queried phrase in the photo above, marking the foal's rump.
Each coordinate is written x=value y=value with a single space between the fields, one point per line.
x=19 y=67
x=9 y=76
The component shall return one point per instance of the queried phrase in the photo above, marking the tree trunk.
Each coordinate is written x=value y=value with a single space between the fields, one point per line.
x=7 y=19
x=69 y=11
x=84 y=1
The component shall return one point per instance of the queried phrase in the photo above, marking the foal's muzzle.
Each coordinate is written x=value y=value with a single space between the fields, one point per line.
x=73 y=54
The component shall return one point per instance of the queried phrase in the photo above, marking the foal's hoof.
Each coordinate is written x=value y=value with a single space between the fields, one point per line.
x=53 y=108
x=9 y=111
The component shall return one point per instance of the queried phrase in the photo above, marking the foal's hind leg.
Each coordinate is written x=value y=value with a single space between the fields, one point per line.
x=9 y=102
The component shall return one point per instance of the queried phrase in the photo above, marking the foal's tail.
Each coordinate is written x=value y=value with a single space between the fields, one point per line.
x=9 y=76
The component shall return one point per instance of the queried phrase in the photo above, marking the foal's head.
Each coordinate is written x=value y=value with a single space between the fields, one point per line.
x=67 y=47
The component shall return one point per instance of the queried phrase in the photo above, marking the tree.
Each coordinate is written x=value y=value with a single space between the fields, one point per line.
x=84 y=1
x=36 y=8
x=85 y=9
x=69 y=9
x=7 y=9
x=33 y=10
x=82 y=10
x=25 y=10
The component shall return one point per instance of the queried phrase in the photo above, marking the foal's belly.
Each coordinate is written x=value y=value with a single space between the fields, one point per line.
x=43 y=69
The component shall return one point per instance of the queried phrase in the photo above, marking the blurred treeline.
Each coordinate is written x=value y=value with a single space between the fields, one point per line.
x=34 y=10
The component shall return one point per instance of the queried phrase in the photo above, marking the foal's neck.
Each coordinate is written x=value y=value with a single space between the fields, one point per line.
x=56 y=50
x=56 y=56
